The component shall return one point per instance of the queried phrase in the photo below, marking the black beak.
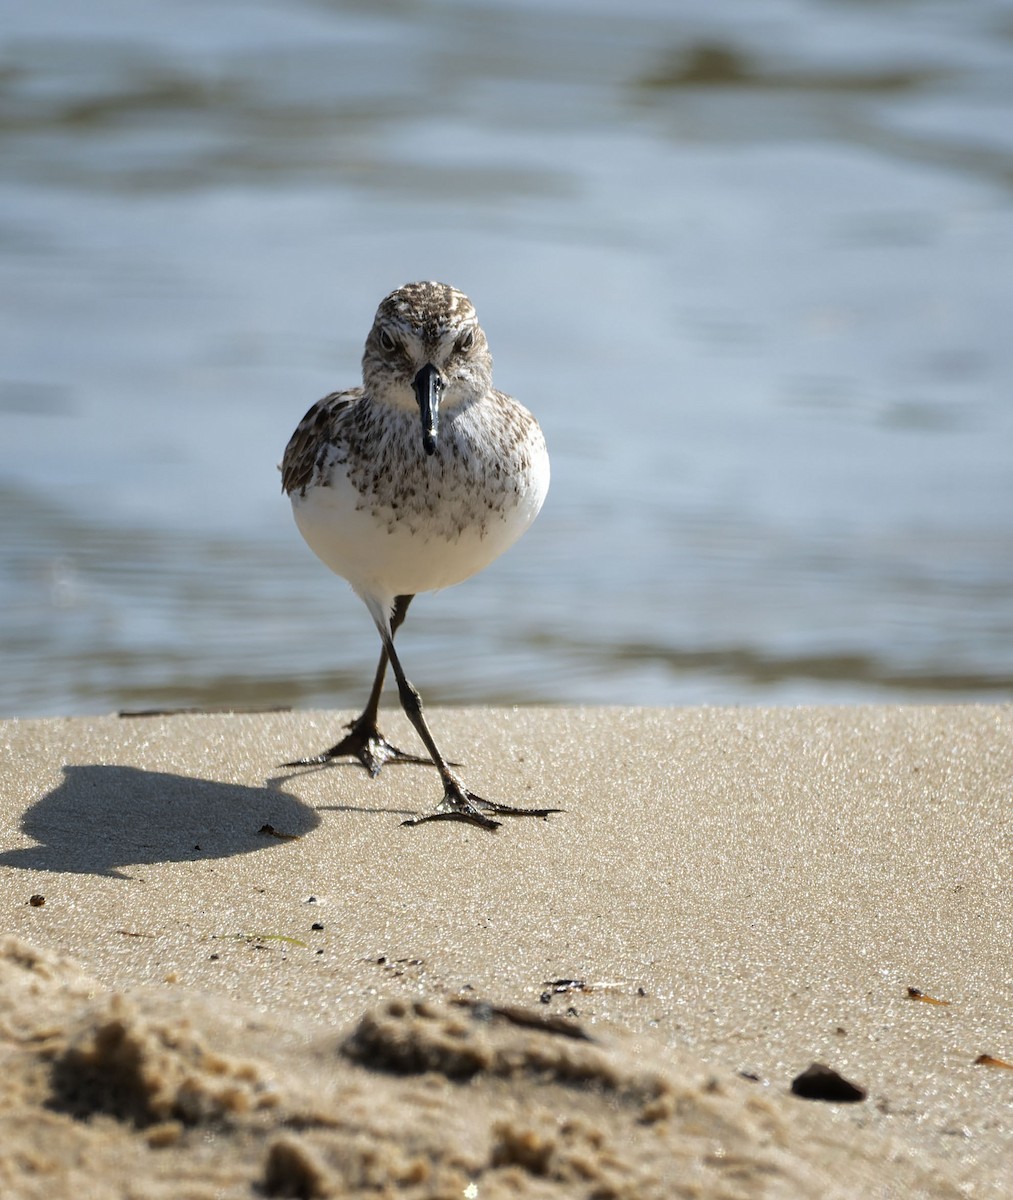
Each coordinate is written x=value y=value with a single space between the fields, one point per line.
x=428 y=386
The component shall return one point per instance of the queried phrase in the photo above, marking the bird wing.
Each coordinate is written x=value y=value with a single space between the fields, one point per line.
x=315 y=432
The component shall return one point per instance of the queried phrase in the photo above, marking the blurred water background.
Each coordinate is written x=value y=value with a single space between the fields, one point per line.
x=750 y=263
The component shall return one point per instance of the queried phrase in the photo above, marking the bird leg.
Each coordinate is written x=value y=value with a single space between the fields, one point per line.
x=364 y=740
x=458 y=804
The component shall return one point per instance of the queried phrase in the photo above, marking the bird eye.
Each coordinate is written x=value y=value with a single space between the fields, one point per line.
x=387 y=343
x=466 y=340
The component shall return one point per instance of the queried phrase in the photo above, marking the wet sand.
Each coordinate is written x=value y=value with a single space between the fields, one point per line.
x=225 y=979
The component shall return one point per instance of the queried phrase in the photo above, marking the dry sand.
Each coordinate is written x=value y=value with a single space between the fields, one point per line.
x=244 y=982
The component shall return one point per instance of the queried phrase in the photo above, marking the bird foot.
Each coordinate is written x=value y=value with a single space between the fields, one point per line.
x=366 y=743
x=458 y=804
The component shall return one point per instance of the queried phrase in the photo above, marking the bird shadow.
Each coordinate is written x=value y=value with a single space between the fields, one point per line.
x=102 y=818
x=279 y=781
x=369 y=812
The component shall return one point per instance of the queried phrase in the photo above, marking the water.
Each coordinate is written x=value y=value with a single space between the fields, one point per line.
x=749 y=263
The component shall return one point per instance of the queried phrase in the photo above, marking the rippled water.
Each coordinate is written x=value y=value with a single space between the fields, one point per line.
x=749 y=263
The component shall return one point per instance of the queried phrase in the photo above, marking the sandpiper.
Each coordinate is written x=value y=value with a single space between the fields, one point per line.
x=413 y=482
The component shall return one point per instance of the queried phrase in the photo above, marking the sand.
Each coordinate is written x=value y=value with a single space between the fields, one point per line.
x=226 y=980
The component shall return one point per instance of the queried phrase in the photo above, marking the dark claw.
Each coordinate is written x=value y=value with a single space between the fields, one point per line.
x=470 y=816
x=461 y=805
x=366 y=743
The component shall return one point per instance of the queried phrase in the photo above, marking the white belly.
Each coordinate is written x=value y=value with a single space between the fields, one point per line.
x=428 y=529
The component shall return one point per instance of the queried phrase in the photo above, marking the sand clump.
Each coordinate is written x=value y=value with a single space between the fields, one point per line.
x=285 y=993
x=163 y=1093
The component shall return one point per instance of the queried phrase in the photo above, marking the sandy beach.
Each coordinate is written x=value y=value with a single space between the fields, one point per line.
x=224 y=979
